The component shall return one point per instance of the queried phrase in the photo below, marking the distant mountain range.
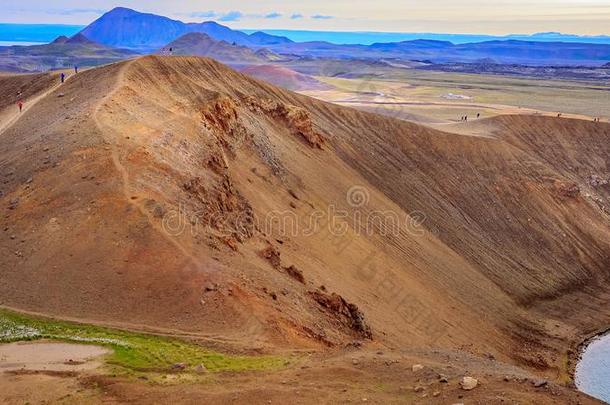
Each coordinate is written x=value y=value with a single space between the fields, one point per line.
x=63 y=52
x=510 y=51
x=44 y=33
x=199 y=44
x=500 y=52
x=122 y=32
x=368 y=38
x=126 y=28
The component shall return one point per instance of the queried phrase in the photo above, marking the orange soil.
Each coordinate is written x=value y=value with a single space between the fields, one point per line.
x=503 y=246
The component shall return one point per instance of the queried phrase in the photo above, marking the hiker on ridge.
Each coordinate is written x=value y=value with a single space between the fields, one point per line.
x=20 y=105
x=75 y=69
x=63 y=77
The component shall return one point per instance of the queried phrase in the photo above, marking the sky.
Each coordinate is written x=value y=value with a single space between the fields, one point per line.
x=497 y=17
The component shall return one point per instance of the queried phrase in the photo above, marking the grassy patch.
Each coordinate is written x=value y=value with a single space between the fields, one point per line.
x=135 y=351
x=565 y=376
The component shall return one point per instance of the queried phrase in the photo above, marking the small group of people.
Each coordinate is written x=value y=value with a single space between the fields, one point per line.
x=465 y=117
x=595 y=119
x=62 y=78
x=63 y=75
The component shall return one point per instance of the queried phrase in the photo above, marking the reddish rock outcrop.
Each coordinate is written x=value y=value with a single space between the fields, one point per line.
x=346 y=313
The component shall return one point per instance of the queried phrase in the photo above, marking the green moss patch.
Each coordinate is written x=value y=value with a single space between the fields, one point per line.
x=135 y=351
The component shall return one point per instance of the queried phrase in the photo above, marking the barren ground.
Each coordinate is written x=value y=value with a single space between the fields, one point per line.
x=174 y=195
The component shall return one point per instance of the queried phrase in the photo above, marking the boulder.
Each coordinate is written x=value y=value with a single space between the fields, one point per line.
x=417 y=367
x=539 y=383
x=469 y=383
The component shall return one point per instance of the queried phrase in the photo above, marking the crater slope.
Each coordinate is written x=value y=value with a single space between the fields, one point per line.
x=175 y=194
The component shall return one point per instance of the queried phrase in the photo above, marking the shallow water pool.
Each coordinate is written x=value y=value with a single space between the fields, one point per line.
x=593 y=370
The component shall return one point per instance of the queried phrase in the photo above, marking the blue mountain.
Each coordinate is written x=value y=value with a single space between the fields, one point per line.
x=126 y=28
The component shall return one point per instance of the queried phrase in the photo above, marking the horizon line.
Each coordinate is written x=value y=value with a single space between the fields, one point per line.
x=352 y=32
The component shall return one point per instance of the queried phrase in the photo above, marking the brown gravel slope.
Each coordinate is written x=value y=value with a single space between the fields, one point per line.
x=149 y=195
x=22 y=87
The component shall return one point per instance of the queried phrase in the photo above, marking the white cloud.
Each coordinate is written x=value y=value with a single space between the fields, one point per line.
x=476 y=16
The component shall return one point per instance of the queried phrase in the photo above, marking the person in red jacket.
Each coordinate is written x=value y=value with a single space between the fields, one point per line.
x=20 y=105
